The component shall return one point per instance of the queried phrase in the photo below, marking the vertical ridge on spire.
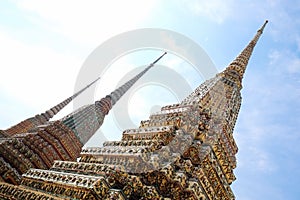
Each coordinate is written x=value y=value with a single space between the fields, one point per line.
x=87 y=120
x=237 y=67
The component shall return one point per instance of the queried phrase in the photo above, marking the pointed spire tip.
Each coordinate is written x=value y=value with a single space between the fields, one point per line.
x=159 y=58
x=263 y=26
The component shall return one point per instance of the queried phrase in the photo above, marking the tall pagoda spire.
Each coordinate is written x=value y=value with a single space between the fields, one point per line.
x=87 y=120
x=184 y=151
x=237 y=67
x=42 y=118
x=46 y=116
x=59 y=140
x=118 y=93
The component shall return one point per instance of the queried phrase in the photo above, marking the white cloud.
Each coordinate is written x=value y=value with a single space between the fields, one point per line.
x=294 y=66
x=216 y=10
x=90 y=22
x=41 y=75
x=32 y=72
x=262 y=160
x=146 y=98
x=284 y=61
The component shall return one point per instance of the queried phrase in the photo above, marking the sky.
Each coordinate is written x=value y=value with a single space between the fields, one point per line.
x=45 y=44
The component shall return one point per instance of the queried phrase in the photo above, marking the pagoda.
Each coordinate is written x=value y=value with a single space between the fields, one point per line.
x=184 y=151
x=26 y=144
x=37 y=142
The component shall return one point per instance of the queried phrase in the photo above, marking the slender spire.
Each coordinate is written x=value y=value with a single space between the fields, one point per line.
x=238 y=66
x=106 y=103
x=116 y=95
x=46 y=116
x=87 y=120
x=30 y=123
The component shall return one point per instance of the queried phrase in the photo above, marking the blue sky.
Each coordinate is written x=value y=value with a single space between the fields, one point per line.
x=43 y=46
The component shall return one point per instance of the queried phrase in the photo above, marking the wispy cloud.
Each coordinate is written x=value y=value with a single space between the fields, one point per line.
x=284 y=61
x=29 y=69
x=215 y=10
x=32 y=70
x=87 y=23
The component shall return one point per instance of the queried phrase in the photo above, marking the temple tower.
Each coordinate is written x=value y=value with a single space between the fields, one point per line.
x=40 y=119
x=40 y=145
x=184 y=151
